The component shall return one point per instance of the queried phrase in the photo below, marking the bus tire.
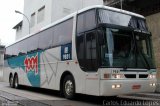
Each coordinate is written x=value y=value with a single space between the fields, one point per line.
x=11 y=81
x=15 y=82
x=69 y=87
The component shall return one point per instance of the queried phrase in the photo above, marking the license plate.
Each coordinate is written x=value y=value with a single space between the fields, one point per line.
x=134 y=87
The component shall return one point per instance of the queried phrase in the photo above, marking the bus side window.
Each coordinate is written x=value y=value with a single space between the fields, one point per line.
x=91 y=51
x=80 y=50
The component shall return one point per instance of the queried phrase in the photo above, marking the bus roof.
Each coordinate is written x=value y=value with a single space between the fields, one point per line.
x=78 y=12
x=111 y=9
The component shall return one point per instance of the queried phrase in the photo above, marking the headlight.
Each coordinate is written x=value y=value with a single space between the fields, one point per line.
x=152 y=76
x=116 y=86
x=153 y=84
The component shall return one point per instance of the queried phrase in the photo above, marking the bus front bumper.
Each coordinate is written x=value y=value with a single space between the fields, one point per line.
x=119 y=87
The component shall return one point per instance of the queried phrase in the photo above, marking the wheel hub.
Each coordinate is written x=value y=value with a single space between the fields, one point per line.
x=69 y=87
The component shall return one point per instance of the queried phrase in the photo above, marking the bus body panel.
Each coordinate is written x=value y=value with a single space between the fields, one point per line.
x=73 y=68
x=133 y=84
x=126 y=87
x=49 y=61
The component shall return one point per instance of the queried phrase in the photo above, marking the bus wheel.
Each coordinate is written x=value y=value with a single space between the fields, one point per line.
x=11 y=81
x=69 y=87
x=15 y=82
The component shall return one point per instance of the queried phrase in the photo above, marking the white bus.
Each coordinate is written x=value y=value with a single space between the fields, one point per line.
x=98 y=50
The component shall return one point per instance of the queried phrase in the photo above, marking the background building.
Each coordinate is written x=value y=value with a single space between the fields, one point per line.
x=43 y=12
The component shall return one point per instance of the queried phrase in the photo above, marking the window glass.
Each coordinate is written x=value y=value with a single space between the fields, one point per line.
x=32 y=43
x=22 y=47
x=41 y=13
x=9 y=50
x=32 y=19
x=91 y=54
x=142 y=25
x=63 y=33
x=15 y=49
x=116 y=18
x=80 y=50
x=86 y=21
x=57 y=35
x=144 y=47
x=111 y=17
x=45 y=38
x=12 y=50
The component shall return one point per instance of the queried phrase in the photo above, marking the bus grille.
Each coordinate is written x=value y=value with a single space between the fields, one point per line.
x=134 y=75
x=130 y=75
x=143 y=76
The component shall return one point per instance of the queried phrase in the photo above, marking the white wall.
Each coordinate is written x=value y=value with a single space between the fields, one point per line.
x=61 y=8
x=19 y=34
x=54 y=10
x=31 y=6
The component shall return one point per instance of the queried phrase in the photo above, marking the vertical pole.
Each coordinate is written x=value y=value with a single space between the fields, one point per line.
x=25 y=17
x=121 y=4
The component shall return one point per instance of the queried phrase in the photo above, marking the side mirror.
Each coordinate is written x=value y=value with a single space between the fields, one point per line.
x=101 y=37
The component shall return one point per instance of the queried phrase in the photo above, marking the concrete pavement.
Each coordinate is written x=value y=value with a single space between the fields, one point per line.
x=41 y=97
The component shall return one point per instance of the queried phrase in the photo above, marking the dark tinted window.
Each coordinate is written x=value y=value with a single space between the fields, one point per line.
x=87 y=51
x=86 y=21
x=63 y=33
x=54 y=36
x=80 y=50
x=91 y=54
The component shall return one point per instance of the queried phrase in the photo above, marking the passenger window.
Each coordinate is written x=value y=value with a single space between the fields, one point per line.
x=23 y=46
x=45 y=39
x=86 y=21
x=32 y=43
x=63 y=33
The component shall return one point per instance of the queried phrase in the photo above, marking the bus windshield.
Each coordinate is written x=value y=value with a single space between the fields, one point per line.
x=126 y=49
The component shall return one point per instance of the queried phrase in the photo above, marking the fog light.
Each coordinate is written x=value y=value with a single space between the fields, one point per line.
x=154 y=84
x=118 y=86
x=113 y=86
x=152 y=76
